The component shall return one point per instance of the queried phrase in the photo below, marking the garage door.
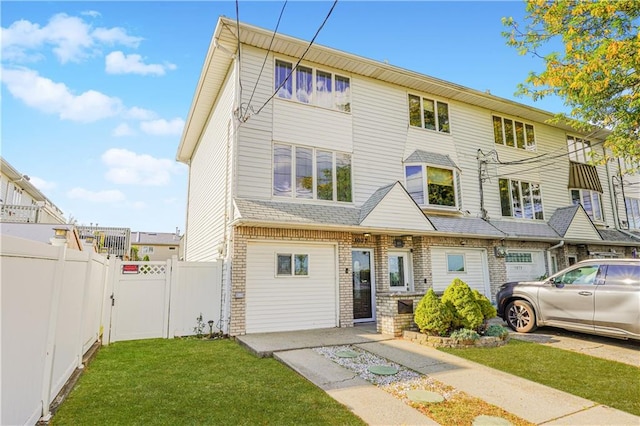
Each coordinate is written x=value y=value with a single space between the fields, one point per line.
x=290 y=287
x=524 y=265
x=470 y=265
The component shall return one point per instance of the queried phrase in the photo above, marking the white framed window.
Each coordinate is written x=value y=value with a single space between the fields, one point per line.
x=590 y=200
x=288 y=264
x=16 y=198
x=513 y=133
x=456 y=263
x=311 y=173
x=633 y=212
x=312 y=86
x=520 y=199
x=429 y=114
x=431 y=185
x=146 y=250
x=579 y=149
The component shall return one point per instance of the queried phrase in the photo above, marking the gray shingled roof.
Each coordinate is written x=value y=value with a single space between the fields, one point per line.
x=373 y=201
x=525 y=229
x=464 y=225
x=299 y=213
x=613 y=235
x=562 y=218
x=420 y=156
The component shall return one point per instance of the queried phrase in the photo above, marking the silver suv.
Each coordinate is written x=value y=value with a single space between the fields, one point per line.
x=600 y=296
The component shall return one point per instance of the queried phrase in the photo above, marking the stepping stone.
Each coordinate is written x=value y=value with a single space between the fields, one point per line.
x=484 y=420
x=383 y=370
x=347 y=354
x=424 y=396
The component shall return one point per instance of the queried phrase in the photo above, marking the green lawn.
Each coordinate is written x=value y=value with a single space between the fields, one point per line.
x=188 y=381
x=607 y=382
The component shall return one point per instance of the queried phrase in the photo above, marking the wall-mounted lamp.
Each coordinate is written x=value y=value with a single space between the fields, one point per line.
x=463 y=242
x=500 y=251
x=366 y=235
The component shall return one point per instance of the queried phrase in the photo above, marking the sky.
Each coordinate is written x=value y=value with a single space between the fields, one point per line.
x=95 y=94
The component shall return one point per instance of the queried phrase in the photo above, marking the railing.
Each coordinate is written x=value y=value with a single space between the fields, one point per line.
x=108 y=240
x=20 y=214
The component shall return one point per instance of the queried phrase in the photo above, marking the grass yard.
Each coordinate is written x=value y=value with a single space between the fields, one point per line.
x=189 y=381
x=606 y=382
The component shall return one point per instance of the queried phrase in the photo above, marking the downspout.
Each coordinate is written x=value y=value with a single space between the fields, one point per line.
x=624 y=200
x=560 y=244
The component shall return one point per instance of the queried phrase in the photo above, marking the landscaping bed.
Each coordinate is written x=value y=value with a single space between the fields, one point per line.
x=449 y=342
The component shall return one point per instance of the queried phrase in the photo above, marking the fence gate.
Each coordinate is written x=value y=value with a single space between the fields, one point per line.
x=140 y=300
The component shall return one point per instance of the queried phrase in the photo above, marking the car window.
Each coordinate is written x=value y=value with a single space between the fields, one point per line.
x=623 y=275
x=583 y=275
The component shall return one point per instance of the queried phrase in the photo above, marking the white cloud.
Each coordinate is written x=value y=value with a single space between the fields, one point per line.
x=122 y=129
x=71 y=39
x=92 y=13
x=163 y=127
x=56 y=98
x=109 y=196
x=127 y=167
x=137 y=113
x=119 y=63
x=139 y=205
x=42 y=184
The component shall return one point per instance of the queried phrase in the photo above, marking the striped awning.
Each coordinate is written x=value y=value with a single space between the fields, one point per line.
x=584 y=176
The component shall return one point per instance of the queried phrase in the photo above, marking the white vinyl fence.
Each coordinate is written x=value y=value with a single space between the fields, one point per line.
x=51 y=309
x=162 y=299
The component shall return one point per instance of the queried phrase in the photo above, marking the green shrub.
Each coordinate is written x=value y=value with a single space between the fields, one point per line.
x=461 y=301
x=145 y=258
x=432 y=316
x=495 y=330
x=487 y=309
x=465 y=335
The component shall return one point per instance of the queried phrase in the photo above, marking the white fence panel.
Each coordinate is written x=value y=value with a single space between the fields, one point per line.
x=46 y=293
x=196 y=290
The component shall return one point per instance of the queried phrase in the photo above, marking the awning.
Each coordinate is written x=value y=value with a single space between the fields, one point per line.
x=584 y=176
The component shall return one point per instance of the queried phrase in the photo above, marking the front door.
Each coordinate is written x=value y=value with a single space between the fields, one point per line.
x=399 y=271
x=363 y=289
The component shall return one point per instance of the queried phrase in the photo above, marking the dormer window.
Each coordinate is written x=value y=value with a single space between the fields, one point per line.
x=431 y=185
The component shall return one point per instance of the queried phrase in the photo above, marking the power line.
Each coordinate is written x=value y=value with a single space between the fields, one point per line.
x=275 y=31
x=239 y=55
x=299 y=60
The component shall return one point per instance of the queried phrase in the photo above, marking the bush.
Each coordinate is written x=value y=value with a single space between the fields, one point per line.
x=496 y=330
x=432 y=316
x=461 y=301
x=145 y=258
x=465 y=335
x=487 y=309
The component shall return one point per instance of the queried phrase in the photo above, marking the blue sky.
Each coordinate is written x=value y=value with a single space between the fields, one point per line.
x=95 y=94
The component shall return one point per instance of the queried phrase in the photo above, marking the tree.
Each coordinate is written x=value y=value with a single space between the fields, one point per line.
x=597 y=75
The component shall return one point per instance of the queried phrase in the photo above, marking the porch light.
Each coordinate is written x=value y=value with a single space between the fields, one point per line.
x=367 y=235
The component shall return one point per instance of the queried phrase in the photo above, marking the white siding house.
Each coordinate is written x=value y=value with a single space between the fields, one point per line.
x=334 y=187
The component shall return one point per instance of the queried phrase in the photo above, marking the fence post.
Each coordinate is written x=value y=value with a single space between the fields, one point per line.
x=175 y=294
x=109 y=290
x=169 y=282
x=58 y=278
x=83 y=309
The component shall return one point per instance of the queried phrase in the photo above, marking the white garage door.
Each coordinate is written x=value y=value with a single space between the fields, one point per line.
x=524 y=265
x=290 y=287
x=468 y=264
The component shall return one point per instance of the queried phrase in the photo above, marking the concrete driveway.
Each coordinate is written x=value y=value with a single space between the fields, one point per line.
x=626 y=351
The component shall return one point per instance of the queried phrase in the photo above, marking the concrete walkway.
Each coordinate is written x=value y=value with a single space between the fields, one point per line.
x=529 y=400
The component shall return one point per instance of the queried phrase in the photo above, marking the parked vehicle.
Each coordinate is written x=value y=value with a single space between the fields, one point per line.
x=599 y=296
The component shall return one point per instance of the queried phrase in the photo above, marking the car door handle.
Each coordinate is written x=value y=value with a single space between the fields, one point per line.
x=585 y=293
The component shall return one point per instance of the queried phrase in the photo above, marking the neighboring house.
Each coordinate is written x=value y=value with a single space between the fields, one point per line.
x=342 y=193
x=110 y=241
x=23 y=202
x=156 y=245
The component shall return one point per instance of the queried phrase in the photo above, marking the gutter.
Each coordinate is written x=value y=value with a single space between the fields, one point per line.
x=560 y=244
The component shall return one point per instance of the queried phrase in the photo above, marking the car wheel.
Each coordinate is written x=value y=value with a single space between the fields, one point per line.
x=521 y=317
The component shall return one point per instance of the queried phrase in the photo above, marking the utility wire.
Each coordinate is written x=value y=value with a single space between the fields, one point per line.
x=299 y=60
x=239 y=56
x=275 y=31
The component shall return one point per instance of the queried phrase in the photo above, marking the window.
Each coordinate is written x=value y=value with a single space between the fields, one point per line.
x=312 y=86
x=590 y=200
x=583 y=275
x=515 y=134
x=319 y=174
x=147 y=250
x=455 y=263
x=296 y=263
x=520 y=199
x=579 y=149
x=633 y=212
x=516 y=257
x=623 y=275
x=429 y=114
x=430 y=185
